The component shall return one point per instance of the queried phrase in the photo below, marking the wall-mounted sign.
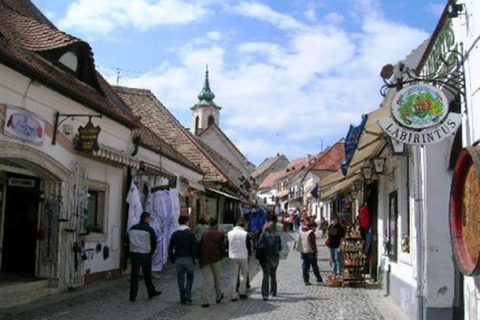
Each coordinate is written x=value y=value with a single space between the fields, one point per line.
x=420 y=116
x=419 y=106
x=21 y=182
x=87 y=138
x=427 y=136
x=24 y=125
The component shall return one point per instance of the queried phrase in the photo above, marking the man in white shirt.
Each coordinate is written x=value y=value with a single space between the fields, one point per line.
x=239 y=249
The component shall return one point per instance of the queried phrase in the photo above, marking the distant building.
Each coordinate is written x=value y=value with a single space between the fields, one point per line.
x=268 y=166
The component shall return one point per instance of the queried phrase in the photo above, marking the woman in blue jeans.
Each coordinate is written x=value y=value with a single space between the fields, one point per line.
x=336 y=235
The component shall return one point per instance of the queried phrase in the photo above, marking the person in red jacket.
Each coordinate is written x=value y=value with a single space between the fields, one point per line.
x=211 y=252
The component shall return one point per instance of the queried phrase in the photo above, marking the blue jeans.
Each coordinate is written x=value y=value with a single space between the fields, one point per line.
x=309 y=259
x=336 y=258
x=184 y=266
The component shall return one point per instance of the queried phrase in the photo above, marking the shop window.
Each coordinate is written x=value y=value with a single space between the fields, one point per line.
x=95 y=211
x=392 y=225
x=96 y=222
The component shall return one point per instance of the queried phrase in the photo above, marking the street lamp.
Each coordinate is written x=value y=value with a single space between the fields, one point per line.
x=379 y=165
x=398 y=148
x=367 y=173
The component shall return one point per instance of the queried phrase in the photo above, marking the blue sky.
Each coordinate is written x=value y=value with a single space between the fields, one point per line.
x=289 y=74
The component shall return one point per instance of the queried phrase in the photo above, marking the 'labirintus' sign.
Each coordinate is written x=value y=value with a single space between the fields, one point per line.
x=420 y=116
x=426 y=136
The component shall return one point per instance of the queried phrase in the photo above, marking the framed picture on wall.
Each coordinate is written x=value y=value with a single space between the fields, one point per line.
x=393 y=225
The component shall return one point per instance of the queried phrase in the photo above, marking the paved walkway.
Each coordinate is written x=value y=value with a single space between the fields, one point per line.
x=109 y=300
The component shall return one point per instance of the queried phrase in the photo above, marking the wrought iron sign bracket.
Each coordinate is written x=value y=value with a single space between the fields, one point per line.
x=449 y=75
x=57 y=122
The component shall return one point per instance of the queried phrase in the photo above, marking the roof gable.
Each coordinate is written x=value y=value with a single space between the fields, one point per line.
x=266 y=164
x=215 y=130
x=157 y=118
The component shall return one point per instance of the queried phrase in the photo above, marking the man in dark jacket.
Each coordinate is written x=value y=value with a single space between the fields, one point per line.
x=181 y=252
x=211 y=253
x=142 y=243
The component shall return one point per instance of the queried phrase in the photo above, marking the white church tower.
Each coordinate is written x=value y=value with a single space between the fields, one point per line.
x=205 y=112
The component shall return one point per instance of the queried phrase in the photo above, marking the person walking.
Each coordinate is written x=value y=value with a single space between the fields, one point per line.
x=182 y=252
x=239 y=248
x=201 y=227
x=268 y=255
x=142 y=243
x=336 y=235
x=211 y=253
x=309 y=252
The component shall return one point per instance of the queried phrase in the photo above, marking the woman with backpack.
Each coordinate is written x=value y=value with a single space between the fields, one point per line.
x=268 y=255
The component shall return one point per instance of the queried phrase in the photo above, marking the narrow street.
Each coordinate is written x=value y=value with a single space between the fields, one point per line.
x=109 y=299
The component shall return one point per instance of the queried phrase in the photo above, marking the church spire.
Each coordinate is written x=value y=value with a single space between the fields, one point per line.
x=206 y=96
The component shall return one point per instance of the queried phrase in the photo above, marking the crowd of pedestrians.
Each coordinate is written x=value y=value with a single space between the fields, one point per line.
x=207 y=246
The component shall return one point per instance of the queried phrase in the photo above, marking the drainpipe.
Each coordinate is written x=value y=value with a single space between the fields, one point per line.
x=419 y=163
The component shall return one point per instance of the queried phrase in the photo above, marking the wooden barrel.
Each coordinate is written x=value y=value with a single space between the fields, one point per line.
x=465 y=212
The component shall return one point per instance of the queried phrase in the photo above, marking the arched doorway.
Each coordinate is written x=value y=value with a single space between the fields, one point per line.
x=31 y=186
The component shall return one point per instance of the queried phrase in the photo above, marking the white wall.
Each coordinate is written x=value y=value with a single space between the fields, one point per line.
x=18 y=90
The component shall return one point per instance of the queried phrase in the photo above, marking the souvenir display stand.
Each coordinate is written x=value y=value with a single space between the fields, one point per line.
x=353 y=258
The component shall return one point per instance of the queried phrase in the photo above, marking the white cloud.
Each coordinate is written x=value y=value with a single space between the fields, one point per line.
x=102 y=17
x=266 y=14
x=285 y=98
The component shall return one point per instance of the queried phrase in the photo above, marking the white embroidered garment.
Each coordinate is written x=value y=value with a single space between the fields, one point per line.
x=134 y=206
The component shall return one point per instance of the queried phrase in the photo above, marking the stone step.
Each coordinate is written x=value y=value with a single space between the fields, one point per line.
x=18 y=287
x=20 y=298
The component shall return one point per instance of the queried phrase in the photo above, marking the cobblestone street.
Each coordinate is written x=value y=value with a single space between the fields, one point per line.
x=109 y=300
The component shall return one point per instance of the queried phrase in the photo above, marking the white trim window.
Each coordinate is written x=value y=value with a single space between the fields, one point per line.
x=97 y=210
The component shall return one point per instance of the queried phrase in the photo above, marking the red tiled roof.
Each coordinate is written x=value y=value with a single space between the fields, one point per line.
x=26 y=38
x=151 y=141
x=270 y=180
x=331 y=159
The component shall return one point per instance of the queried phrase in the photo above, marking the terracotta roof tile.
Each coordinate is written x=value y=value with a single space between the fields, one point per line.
x=156 y=117
x=270 y=180
x=331 y=159
x=22 y=38
x=153 y=142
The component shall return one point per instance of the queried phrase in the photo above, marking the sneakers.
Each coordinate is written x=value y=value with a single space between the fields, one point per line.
x=221 y=298
x=308 y=283
x=242 y=296
x=155 y=294
x=132 y=299
x=234 y=299
x=205 y=305
x=265 y=298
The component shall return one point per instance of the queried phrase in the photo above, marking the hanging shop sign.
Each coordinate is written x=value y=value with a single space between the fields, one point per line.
x=420 y=106
x=420 y=116
x=465 y=211
x=87 y=138
x=24 y=125
x=427 y=136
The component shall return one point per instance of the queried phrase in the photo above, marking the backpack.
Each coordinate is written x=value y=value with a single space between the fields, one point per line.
x=267 y=247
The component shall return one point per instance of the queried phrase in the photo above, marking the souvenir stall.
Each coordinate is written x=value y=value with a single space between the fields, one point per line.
x=155 y=192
